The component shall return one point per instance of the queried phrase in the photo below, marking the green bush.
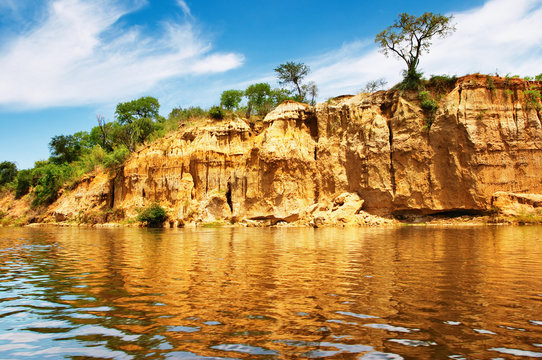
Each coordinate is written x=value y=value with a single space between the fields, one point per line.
x=116 y=157
x=95 y=157
x=428 y=104
x=442 y=83
x=24 y=182
x=153 y=215
x=216 y=113
x=490 y=83
x=412 y=80
x=533 y=98
x=51 y=177
x=538 y=77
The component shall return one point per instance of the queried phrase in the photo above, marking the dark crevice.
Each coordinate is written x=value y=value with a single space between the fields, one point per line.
x=228 y=197
x=312 y=123
x=112 y=193
x=207 y=175
x=392 y=168
x=515 y=116
x=412 y=214
x=143 y=193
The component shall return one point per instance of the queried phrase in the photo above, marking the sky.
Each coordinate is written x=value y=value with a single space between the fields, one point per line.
x=62 y=62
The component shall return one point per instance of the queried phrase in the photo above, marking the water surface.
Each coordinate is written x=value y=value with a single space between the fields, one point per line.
x=406 y=293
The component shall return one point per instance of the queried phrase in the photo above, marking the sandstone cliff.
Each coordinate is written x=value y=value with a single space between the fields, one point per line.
x=336 y=162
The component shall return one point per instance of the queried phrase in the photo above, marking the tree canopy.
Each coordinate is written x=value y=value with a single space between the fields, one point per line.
x=8 y=172
x=410 y=36
x=136 y=121
x=68 y=148
x=230 y=99
x=260 y=98
x=292 y=73
x=143 y=108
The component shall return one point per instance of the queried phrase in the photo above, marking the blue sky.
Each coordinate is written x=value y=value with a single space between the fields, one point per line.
x=64 y=61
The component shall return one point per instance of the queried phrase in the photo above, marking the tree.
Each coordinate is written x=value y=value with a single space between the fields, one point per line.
x=143 y=108
x=8 y=172
x=24 y=182
x=260 y=98
x=231 y=99
x=68 y=148
x=99 y=135
x=374 y=85
x=409 y=37
x=136 y=121
x=293 y=73
x=311 y=90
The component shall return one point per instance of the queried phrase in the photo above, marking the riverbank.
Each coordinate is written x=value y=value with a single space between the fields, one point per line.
x=371 y=159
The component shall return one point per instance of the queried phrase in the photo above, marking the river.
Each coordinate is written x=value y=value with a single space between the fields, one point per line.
x=272 y=293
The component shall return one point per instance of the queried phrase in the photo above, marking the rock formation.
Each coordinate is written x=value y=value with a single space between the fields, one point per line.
x=338 y=162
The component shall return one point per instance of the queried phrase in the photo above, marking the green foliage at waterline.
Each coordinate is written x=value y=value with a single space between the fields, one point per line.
x=153 y=215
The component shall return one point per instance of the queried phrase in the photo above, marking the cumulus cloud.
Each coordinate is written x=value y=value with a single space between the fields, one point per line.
x=501 y=35
x=73 y=58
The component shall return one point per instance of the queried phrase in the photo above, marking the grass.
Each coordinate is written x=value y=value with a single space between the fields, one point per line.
x=529 y=218
x=213 y=224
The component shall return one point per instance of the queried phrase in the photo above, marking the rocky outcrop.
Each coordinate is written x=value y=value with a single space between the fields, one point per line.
x=340 y=162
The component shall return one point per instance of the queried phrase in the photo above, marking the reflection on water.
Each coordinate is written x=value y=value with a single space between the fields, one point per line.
x=271 y=293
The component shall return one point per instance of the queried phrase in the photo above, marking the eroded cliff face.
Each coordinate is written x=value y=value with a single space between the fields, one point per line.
x=336 y=162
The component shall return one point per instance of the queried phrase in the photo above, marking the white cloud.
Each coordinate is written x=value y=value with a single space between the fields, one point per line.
x=71 y=58
x=501 y=34
x=184 y=7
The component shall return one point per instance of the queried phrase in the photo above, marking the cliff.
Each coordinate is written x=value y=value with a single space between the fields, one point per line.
x=334 y=163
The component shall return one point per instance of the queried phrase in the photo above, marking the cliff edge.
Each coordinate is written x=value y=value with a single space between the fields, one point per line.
x=340 y=162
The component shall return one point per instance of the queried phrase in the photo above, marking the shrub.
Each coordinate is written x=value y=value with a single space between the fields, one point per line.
x=490 y=83
x=427 y=102
x=153 y=215
x=89 y=161
x=216 y=113
x=429 y=106
x=51 y=177
x=116 y=158
x=412 y=80
x=538 y=77
x=533 y=98
x=24 y=182
x=442 y=83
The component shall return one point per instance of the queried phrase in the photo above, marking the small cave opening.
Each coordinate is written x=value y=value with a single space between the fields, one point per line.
x=228 y=197
x=143 y=193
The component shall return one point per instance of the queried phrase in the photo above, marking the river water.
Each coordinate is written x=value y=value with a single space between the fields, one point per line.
x=282 y=293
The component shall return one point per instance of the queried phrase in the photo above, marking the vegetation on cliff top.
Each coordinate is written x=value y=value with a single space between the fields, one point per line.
x=409 y=37
x=138 y=122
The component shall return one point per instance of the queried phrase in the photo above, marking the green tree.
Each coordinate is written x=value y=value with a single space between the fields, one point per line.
x=50 y=178
x=409 y=37
x=8 y=172
x=136 y=121
x=24 y=182
x=260 y=98
x=143 y=108
x=293 y=73
x=230 y=99
x=68 y=148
